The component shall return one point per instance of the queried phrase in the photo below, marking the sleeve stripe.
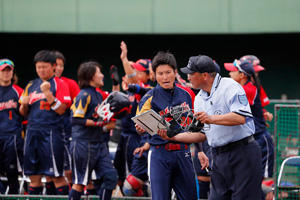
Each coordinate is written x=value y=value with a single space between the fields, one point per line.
x=145 y=107
x=243 y=113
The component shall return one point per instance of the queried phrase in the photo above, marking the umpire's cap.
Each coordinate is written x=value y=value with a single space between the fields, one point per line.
x=201 y=64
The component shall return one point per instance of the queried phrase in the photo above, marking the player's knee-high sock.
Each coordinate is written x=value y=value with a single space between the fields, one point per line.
x=13 y=184
x=75 y=195
x=50 y=188
x=35 y=190
x=63 y=190
x=105 y=194
x=2 y=188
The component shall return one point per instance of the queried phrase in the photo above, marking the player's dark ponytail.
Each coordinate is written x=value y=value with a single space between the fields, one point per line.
x=256 y=82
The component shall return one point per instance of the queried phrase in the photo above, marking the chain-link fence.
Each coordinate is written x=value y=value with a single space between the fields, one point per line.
x=287 y=160
x=271 y=108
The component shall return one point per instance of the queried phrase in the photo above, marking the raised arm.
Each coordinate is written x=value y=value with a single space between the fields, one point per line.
x=129 y=71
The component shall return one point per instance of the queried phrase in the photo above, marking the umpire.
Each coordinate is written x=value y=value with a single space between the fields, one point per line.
x=222 y=103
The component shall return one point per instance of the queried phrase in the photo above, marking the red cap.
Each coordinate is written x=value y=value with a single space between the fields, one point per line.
x=258 y=68
x=230 y=67
x=142 y=65
x=6 y=63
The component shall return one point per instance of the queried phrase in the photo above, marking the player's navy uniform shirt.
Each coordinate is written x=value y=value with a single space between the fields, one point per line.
x=128 y=126
x=9 y=109
x=161 y=100
x=40 y=112
x=256 y=107
x=84 y=107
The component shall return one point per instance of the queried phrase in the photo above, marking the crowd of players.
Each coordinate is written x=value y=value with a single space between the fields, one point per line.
x=51 y=129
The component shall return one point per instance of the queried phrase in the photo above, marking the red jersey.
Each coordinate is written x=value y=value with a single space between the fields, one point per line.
x=73 y=87
x=263 y=97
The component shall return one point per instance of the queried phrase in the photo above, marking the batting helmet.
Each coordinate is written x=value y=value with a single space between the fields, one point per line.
x=116 y=105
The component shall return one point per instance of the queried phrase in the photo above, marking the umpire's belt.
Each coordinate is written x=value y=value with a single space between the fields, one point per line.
x=172 y=146
x=235 y=144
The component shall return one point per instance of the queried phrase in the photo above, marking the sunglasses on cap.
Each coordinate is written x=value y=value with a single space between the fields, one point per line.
x=7 y=62
x=237 y=63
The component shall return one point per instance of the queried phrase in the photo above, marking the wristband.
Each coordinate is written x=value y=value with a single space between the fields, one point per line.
x=56 y=106
x=55 y=100
x=131 y=75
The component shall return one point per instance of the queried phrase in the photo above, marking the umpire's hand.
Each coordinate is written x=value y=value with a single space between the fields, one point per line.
x=204 y=161
x=204 y=118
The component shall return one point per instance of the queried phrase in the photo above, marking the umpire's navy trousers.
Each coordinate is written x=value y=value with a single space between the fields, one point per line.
x=236 y=171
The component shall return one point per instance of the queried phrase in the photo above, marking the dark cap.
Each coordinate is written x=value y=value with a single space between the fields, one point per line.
x=243 y=66
x=255 y=62
x=199 y=64
x=218 y=69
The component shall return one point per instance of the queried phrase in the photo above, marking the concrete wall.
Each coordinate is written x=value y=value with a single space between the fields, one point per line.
x=150 y=16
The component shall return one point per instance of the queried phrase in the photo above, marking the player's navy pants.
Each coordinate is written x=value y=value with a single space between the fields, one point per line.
x=236 y=173
x=124 y=154
x=44 y=152
x=88 y=156
x=140 y=166
x=11 y=155
x=266 y=144
x=171 y=170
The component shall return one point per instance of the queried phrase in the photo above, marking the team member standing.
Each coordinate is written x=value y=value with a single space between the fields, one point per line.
x=263 y=95
x=44 y=102
x=258 y=99
x=11 y=143
x=88 y=145
x=74 y=90
x=222 y=103
x=136 y=73
x=170 y=164
x=243 y=72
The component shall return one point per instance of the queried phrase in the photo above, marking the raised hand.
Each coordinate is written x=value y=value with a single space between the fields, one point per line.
x=124 y=50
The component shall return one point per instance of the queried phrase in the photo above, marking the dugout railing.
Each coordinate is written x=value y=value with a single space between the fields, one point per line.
x=63 y=197
x=287 y=145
